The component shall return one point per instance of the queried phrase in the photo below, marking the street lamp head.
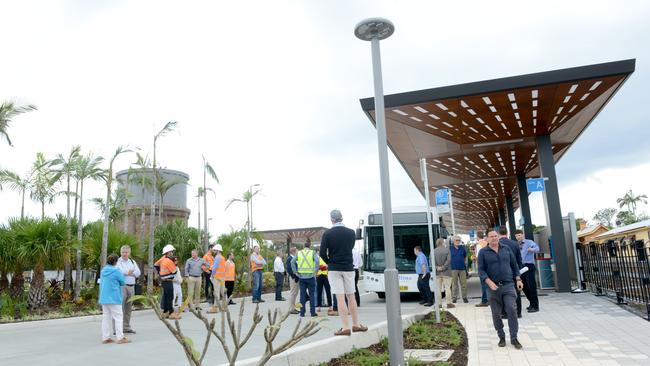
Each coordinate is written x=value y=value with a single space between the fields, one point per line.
x=370 y=28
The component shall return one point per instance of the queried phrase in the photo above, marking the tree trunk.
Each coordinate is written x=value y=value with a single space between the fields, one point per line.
x=22 y=206
x=126 y=205
x=77 y=282
x=67 y=266
x=17 y=286
x=76 y=198
x=4 y=281
x=37 y=294
x=107 y=212
x=205 y=212
x=142 y=218
x=42 y=210
x=152 y=219
x=198 y=211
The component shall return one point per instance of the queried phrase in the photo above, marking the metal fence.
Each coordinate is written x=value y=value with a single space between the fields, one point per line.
x=618 y=269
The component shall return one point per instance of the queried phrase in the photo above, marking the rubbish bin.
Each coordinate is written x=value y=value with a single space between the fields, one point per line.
x=545 y=269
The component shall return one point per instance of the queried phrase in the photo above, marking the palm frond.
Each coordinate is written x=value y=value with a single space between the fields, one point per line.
x=211 y=172
x=169 y=127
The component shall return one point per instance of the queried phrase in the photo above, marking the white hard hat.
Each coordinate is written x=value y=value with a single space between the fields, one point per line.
x=218 y=247
x=168 y=248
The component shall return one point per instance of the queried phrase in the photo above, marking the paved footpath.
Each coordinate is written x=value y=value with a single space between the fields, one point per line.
x=570 y=329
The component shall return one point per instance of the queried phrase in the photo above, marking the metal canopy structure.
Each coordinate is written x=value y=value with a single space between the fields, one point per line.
x=295 y=236
x=481 y=139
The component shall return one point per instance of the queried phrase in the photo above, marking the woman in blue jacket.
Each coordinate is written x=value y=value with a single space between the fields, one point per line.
x=110 y=298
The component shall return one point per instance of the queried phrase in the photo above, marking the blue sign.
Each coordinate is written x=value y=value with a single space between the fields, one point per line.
x=442 y=197
x=535 y=185
x=472 y=233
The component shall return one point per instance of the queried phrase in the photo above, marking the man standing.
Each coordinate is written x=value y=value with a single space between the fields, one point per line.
x=514 y=248
x=131 y=272
x=278 y=271
x=218 y=277
x=357 y=262
x=528 y=249
x=207 y=275
x=167 y=271
x=193 y=272
x=230 y=277
x=482 y=243
x=294 y=288
x=336 y=250
x=498 y=269
x=305 y=265
x=458 y=270
x=257 y=268
x=442 y=257
x=424 y=275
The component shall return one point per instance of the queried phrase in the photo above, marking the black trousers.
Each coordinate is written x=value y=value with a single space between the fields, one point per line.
x=517 y=301
x=356 y=287
x=279 y=281
x=167 y=297
x=207 y=287
x=323 y=283
x=230 y=287
x=423 y=287
x=530 y=286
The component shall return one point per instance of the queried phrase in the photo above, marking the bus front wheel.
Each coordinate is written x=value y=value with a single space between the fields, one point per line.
x=382 y=295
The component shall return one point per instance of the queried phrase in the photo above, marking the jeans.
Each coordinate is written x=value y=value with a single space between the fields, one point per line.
x=308 y=284
x=530 y=286
x=207 y=287
x=257 y=285
x=323 y=284
x=279 y=281
x=423 y=287
x=484 y=292
x=504 y=299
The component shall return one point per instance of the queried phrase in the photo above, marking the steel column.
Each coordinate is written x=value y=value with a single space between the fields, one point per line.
x=525 y=206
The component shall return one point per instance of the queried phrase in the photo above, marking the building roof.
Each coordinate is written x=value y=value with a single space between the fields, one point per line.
x=645 y=224
x=590 y=230
x=478 y=137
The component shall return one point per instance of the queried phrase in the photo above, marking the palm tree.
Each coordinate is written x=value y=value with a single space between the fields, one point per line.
x=630 y=200
x=143 y=164
x=8 y=110
x=169 y=126
x=16 y=183
x=87 y=167
x=109 y=182
x=68 y=167
x=207 y=169
x=163 y=186
x=44 y=178
x=247 y=198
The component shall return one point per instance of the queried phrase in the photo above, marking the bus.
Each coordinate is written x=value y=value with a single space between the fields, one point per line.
x=409 y=229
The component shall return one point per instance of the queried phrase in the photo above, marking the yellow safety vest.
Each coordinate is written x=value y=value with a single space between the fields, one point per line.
x=322 y=272
x=305 y=261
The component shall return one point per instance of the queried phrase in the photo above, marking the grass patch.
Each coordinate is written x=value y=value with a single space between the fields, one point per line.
x=427 y=334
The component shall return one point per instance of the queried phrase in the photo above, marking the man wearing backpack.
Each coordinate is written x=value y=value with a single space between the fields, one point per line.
x=131 y=272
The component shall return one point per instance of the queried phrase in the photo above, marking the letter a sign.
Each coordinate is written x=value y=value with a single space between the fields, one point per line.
x=535 y=184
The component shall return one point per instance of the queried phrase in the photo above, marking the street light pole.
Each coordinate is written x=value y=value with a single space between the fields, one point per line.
x=374 y=30
x=250 y=220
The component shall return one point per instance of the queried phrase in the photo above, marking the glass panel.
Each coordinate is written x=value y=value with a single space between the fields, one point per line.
x=406 y=238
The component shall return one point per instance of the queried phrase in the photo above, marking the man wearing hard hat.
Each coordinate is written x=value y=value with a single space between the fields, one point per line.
x=167 y=270
x=218 y=277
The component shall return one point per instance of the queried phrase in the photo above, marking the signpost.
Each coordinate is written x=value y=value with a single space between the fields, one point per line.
x=535 y=184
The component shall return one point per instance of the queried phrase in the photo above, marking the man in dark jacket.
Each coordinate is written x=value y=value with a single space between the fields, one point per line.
x=336 y=250
x=293 y=282
x=514 y=248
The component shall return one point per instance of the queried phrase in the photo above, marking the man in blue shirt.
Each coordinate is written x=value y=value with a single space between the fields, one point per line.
x=424 y=274
x=498 y=269
x=458 y=270
x=514 y=248
x=528 y=249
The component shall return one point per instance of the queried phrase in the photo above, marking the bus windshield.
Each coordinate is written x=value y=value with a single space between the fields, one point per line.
x=406 y=238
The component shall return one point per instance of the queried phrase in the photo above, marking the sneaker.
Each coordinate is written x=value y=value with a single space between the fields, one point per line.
x=481 y=304
x=123 y=341
x=465 y=300
x=294 y=312
x=450 y=306
x=516 y=343
x=314 y=315
x=502 y=342
x=260 y=300
x=533 y=310
x=232 y=303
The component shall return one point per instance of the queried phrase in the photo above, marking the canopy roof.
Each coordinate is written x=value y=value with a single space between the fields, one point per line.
x=298 y=236
x=478 y=137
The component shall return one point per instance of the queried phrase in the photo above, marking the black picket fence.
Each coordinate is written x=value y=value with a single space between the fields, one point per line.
x=618 y=269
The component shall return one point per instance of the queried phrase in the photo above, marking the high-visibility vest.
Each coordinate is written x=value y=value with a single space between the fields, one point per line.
x=167 y=268
x=254 y=265
x=210 y=259
x=305 y=261
x=230 y=271
x=321 y=263
x=220 y=271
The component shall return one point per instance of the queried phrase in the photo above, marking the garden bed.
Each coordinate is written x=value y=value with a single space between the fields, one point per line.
x=424 y=334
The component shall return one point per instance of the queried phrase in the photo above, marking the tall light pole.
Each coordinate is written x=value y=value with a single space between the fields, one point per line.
x=374 y=30
x=250 y=219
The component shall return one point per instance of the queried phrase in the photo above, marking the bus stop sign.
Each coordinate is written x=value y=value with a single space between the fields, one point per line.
x=535 y=184
x=442 y=197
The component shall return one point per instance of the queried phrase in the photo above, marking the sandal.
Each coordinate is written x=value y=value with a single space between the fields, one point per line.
x=360 y=328
x=342 y=332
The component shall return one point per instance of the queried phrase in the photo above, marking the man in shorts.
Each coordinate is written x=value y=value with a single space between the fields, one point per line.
x=336 y=250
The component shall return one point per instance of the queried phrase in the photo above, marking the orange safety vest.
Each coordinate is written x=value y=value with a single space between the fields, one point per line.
x=230 y=271
x=220 y=272
x=167 y=267
x=255 y=266
x=210 y=259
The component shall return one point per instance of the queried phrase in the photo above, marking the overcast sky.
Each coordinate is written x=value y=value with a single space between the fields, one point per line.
x=269 y=92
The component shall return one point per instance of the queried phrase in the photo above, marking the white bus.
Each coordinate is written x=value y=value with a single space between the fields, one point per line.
x=410 y=229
